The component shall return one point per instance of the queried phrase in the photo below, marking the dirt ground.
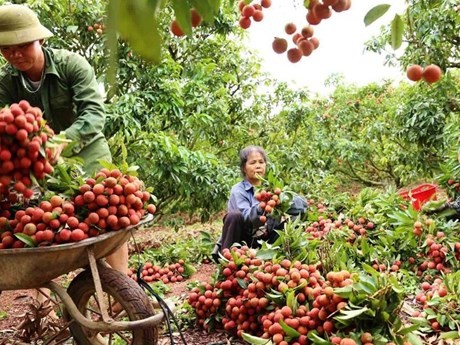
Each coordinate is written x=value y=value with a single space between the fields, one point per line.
x=14 y=305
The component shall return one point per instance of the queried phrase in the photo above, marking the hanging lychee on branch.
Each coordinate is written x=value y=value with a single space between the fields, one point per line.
x=430 y=74
x=194 y=19
x=251 y=12
x=303 y=40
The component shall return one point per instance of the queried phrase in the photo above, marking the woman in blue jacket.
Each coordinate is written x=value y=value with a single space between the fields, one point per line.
x=242 y=221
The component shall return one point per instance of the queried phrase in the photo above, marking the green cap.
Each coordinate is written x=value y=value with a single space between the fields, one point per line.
x=19 y=25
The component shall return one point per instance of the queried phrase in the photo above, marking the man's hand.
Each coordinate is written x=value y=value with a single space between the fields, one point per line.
x=56 y=152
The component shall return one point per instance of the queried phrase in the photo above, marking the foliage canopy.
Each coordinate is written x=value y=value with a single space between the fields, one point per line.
x=184 y=120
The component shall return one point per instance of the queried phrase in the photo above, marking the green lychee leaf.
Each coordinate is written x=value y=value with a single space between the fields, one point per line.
x=132 y=20
x=189 y=270
x=256 y=340
x=396 y=287
x=313 y=336
x=407 y=330
x=291 y=301
x=207 y=8
x=291 y=332
x=107 y=164
x=415 y=339
x=397 y=31
x=26 y=239
x=3 y=315
x=350 y=314
x=182 y=13
x=267 y=254
x=369 y=269
x=375 y=13
x=242 y=283
x=275 y=296
x=447 y=335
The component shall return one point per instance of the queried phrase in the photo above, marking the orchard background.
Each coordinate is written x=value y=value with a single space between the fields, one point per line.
x=184 y=118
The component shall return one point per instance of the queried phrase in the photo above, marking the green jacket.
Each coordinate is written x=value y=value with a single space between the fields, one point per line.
x=70 y=100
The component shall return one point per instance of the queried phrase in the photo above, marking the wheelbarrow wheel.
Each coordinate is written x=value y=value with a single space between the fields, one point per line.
x=124 y=299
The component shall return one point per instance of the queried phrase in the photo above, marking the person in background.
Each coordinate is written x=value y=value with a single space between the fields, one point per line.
x=62 y=84
x=241 y=223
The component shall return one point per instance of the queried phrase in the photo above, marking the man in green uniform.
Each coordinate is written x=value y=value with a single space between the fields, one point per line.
x=62 y=84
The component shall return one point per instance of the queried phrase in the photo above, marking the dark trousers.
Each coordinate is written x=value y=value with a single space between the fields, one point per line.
x=235 y=230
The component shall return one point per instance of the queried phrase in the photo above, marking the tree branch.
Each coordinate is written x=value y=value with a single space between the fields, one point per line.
x=356 y=177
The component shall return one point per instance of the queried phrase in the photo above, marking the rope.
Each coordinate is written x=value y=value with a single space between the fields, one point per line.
x=163 y=305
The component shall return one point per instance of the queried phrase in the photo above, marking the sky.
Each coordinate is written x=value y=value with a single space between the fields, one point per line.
x=341 y=49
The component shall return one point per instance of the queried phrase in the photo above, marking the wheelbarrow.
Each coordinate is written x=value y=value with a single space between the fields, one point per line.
x=91 y=296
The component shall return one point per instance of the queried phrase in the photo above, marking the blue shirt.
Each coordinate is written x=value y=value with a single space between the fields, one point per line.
x=242 y=199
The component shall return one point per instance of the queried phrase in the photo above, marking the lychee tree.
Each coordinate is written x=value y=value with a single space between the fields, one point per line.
x=376 y=135
x=140 y=23
x=176 y=118
x=429 y=34
x=184 y=119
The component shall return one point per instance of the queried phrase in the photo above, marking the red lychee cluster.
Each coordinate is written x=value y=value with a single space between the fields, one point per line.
x=52 y=221
x=268 y=202
x=429 y=291
x=241 y=296
x=303 y=39
x=98 y=28
x=304 y=42
x=195 y=19
x=318 y=11
x=111 y=201
x=252 y=12
x=430 y=74
x=23 y=135
x=167 y=274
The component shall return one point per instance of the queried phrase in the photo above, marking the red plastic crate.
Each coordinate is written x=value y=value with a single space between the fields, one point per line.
x=420 y=194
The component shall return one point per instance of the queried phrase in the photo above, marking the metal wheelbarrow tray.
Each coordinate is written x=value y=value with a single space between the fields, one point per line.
x=26 y=268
